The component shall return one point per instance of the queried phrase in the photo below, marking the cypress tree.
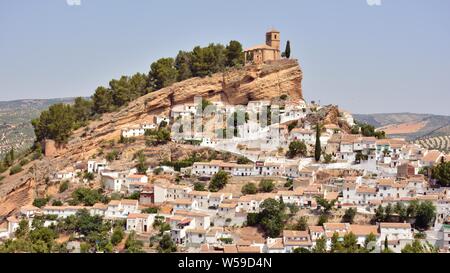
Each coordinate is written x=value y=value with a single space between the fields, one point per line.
x=287 y=52
x=318 y=150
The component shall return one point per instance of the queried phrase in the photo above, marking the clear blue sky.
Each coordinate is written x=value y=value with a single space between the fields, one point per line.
x=367 y=59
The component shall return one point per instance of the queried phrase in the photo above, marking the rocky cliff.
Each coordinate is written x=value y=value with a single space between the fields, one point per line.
x=237 y=86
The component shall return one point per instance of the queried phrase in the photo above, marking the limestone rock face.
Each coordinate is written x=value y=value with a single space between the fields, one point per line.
x=238 y=86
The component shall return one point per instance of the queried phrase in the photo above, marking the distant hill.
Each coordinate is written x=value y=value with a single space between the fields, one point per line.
x=409 y=125
x=15 y=117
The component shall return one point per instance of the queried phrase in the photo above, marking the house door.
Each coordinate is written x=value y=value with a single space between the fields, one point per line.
x=145 y=228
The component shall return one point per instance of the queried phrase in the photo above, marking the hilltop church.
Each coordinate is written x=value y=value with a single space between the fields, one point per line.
x=266 y=52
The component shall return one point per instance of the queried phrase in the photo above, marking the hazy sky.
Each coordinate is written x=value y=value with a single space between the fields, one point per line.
x=389 y=58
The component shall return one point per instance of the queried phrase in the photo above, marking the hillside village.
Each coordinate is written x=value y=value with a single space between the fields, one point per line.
x=283 y=176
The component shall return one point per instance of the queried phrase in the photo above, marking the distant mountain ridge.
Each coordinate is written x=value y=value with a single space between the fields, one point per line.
x=411 y=126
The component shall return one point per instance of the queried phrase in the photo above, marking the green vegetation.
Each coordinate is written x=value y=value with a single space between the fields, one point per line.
x=40 y=202
x=132 y=245
x=271 y=218
x=117 y=235
x=249 y=188
x=441 y=173
x=418 y=247
x=39 y=239
x=326 y=205
x=60 y=120
x=141 y=165
x=15 y=169
x=57 y=203
x=177 y=165
x=296 y=148
x=287 y=51
x=266 y=185
x=318 y=147
x=95 y=234
x=87 y=197
x=166 y=245
x=422 y=213
x=302 y=224
x=321 y=245
x=158 y=171
x=199 y=186
x=63 y=186
x=113 y=155
x=218 y=181
x=150 y=210
x=349 y=215
x=367 y=130
x=243 y=160
x=163 y=73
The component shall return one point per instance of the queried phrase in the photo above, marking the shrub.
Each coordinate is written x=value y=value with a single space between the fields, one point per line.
x=16 y=169
x=40 y=202
x=158 y=171
x=249 y=188
x=57 y=203
x=63 y=186
x=24 y=162
x=218 y=181
x=198 y=186
x=266 y=185
x=150 y=210
x=113 y=155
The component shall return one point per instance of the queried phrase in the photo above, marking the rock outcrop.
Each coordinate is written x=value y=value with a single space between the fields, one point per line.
x=237 y=86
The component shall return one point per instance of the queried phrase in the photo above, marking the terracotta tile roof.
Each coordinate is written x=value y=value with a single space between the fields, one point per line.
x=183 y=201
x=316 y=229
x=364 y=189
x=138 y=215
x=191 y=213
x=334 y=226
x=395 y=225
x=432 y=156
x=198 y=193
x=230 y=249
x=386 y=182
x=248 y=249
x=100 y=206
x=276 y=244
x=295 y=233
x=363 y=230
x=228 y=205
x=129 y=202
x=114 y=203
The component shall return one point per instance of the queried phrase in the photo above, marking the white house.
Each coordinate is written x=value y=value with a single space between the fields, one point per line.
x=184 y=204
x=202 y=198
x=96 y=166
x=121 y=208
x=293 y=239
x=113 y=181
x=140 y=222
x=13 y=225
x=397 y=234
x=133 y=131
